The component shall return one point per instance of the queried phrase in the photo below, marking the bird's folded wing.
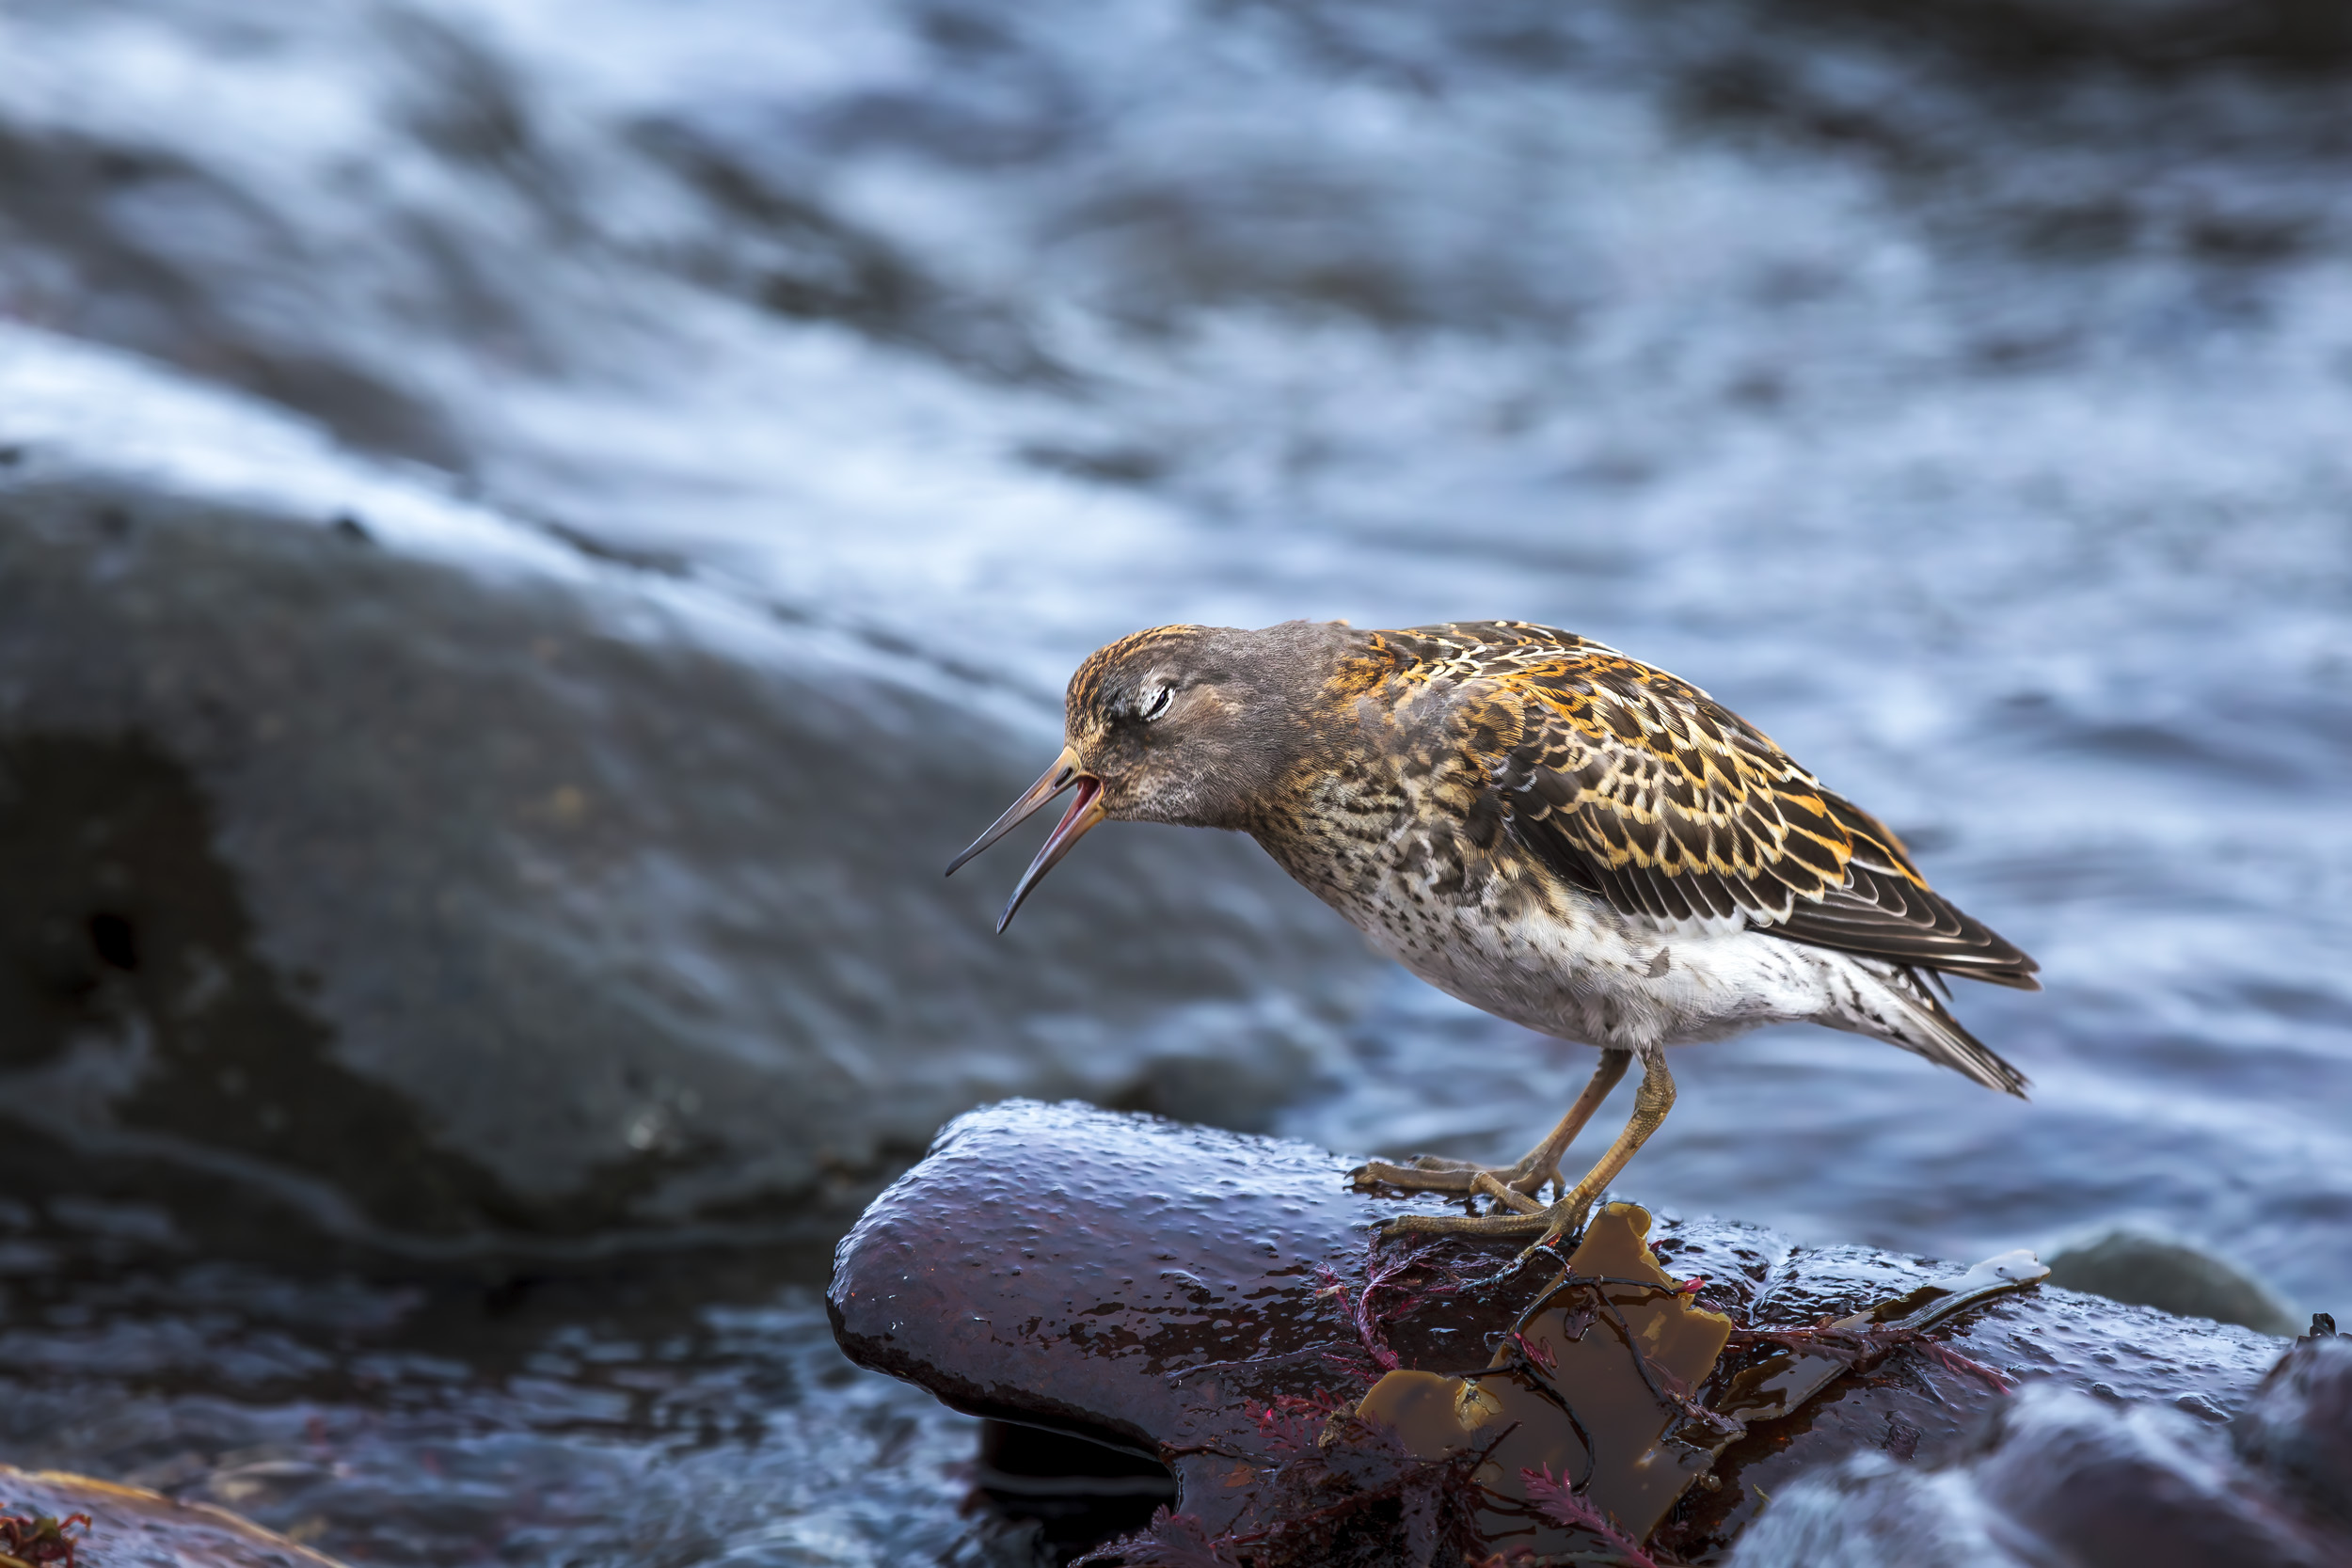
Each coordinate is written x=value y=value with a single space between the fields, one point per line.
x=1640 y=787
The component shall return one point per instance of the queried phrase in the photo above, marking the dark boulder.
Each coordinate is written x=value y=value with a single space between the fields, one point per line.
x=396 y=867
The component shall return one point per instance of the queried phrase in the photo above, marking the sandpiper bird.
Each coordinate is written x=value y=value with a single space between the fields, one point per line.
x=1532 y=822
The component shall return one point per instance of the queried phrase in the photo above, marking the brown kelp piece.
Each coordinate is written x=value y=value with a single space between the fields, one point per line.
x=1584 y=1418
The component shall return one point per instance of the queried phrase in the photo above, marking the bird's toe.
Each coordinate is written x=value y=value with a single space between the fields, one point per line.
x=1454 y=1176
x=1505 y=1224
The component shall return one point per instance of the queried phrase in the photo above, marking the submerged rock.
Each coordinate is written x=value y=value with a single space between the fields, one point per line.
x=398 y=867
x=2153 y=1272
x=1214 y=1301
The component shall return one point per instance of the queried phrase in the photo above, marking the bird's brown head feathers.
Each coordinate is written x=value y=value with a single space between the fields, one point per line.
x=1183 y=724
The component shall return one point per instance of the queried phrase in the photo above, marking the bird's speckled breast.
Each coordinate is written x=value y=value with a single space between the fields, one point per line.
x=1395 y=827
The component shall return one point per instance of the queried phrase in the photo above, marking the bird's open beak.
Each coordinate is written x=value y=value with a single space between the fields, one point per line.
x=1086 y=810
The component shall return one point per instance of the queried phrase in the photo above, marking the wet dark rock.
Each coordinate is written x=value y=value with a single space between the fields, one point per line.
x=2153 y=1272
x=1160 y=1287
x=465 y=889
x=2299 y=1428
x=2061 y=1479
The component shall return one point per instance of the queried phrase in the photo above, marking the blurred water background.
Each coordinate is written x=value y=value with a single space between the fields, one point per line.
x=1963 y=394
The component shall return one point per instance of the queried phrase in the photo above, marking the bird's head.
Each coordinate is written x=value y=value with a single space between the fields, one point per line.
x=1183 y=724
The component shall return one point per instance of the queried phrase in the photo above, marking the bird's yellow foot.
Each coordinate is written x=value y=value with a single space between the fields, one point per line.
x=1539 y=1165
x=1525 y=1217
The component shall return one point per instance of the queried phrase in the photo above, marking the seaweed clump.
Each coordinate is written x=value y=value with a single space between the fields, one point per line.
x=1600 y=1404
x=34 y=1540
x=1579 y=1419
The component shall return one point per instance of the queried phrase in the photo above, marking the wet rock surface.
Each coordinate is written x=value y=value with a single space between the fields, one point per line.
x=1166 y=1288
x=414 y=877
x=2095 y=1480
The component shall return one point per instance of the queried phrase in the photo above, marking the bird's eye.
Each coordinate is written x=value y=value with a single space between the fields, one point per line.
x=1157 y=703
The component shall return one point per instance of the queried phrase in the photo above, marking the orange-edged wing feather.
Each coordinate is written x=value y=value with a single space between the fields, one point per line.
x=1639 y=786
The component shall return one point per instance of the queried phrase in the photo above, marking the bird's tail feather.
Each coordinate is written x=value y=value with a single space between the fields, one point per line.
x=1906 y=1012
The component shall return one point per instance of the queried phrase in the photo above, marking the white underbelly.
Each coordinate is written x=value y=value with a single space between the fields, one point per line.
x=1586 y=973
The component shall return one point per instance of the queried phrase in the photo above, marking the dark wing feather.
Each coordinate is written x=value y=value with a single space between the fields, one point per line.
x=1640 y=787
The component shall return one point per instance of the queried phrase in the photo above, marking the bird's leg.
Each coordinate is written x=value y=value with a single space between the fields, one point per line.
x=1651 y=1103
x=1540 y=1164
